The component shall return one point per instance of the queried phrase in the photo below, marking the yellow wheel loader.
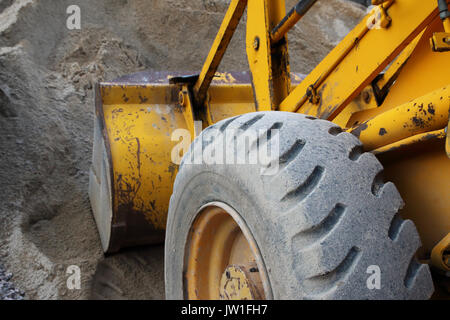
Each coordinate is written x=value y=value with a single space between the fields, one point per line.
x=270 y=185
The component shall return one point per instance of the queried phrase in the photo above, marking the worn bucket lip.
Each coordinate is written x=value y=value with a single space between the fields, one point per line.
x=162 y=77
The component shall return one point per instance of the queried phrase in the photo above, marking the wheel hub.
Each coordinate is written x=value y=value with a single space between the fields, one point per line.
x=241 y=283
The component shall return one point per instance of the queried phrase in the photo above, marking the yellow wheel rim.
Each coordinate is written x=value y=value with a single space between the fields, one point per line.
x=222 y=259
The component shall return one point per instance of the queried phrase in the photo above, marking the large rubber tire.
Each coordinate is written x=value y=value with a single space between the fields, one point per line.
x=320 y=223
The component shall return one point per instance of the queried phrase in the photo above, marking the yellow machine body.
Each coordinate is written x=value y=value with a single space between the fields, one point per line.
x=384 y=83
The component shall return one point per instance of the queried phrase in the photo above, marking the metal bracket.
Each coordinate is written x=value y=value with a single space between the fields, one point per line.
x=190 y=113
x=440 y=42
x=191 y=110
x=381 y=20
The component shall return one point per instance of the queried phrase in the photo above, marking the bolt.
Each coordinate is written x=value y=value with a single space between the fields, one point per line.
x=256 y=43
x=366 y=96
x=181 y=98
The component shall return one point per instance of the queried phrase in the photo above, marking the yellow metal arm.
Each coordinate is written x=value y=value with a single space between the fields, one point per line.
x=290 y=20
x=268 y=64
x=364 y=53
x=223 y=38
x=424 y=114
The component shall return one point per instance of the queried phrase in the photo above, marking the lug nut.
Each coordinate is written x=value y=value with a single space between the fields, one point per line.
x=256 y=43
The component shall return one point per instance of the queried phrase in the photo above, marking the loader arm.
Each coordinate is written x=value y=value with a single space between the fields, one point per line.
x=390 y=32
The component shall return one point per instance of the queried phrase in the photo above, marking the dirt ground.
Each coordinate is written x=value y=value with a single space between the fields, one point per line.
x=46 y=123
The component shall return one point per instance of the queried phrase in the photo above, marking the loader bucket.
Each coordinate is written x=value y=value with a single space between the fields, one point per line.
x=132 y=174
